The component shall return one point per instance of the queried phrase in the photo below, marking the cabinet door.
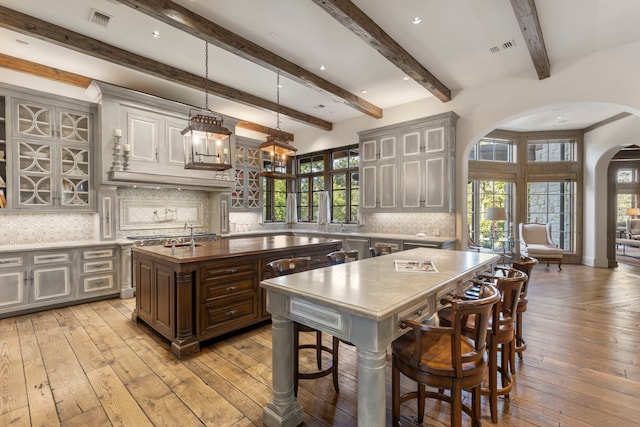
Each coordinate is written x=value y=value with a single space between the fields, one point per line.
x=164 y=310
x=142 y=136
x=34 y=173
x=411 y=180
x=388 y=186
x=75 y=176
x=13 y=289
x=368 y=183
x=436 y=182
x=143 y=278
x=33 y=120
x=368 y=151
x=51 y=283
x=175 y=144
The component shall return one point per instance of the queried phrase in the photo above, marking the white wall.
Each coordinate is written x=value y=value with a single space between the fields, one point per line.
x=609 y=76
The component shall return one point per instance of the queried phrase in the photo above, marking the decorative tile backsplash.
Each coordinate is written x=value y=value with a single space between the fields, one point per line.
x=30 y=228
x=144 y=211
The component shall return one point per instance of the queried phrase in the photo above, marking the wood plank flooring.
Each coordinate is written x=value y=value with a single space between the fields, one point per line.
x=90 y=365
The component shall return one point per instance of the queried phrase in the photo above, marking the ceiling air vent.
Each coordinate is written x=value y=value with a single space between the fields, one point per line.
x=99 y=18
x=504 y=46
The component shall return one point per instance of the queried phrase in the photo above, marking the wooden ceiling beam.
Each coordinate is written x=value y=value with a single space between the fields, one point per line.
x=350 y=16
x=183 y=19
x=34 y=27
x=33 y=68
x=39 y=70
x=527 y=16
x=265 y=129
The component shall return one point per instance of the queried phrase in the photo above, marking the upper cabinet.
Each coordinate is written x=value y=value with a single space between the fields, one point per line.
x=246 y=195
x=151 y=145
x=51 y=155
x=409 y=166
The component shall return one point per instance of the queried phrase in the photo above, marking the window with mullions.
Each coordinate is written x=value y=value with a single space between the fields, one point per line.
x=344 y=185
x=482 y=195
x=493 y=150
x=624 y=202
x=627 y=176
x=551 y=150
x=274 y=199
x=310 y=179
x=554 y=202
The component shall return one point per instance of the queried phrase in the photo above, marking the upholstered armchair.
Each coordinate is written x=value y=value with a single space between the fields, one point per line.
x=536 y=242
x=633 y=228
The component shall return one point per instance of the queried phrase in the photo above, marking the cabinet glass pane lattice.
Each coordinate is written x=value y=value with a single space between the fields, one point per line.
x=34 y=121
x=74 y=127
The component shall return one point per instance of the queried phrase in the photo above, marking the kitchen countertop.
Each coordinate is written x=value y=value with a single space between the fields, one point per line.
x=62 y=245
x=226 y=248
x=347 y=234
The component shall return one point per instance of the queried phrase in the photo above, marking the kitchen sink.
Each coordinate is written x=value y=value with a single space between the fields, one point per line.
x=182 y=245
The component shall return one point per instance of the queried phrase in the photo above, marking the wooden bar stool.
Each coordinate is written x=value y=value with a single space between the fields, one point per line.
x=526 y=265
x=445 y=357
x=282 y=267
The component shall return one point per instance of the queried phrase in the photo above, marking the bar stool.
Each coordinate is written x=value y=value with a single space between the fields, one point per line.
x=526 y=265
x=282 y=267
x=340 y=257
x=500 y=334
x=445 y=358
x=380 y=249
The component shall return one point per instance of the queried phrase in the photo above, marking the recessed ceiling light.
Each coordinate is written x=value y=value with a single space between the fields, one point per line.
x=156 y=34
x=416 y=20
x=363 y=91
x=272 y=34
x=322 y=68
x=405 y=78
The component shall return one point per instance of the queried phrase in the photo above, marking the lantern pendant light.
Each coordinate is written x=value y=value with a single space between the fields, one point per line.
x=207 y=143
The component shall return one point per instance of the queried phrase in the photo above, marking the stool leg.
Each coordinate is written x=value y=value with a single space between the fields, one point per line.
x=319 y=349
x=336 y=348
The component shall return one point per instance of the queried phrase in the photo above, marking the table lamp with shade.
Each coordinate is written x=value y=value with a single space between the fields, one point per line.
x=495 y=214
x=633 y=212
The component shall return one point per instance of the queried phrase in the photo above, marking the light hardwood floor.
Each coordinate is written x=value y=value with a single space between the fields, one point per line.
x=90 y=365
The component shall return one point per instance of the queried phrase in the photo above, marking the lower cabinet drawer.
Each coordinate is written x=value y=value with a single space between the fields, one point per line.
x=227 y=315
x=217 y=290
x=97 y=266
x=97 y=284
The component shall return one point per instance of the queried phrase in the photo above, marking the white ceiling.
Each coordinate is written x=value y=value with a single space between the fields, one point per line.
x=453 y=42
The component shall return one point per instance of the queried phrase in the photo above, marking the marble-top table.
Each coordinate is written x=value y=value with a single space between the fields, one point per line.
x=360 y=302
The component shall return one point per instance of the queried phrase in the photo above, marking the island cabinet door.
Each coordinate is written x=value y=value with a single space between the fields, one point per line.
x=228 y=296
x=155 y=296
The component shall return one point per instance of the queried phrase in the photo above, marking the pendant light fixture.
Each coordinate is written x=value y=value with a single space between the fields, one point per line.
x=207 y=143
x=277 y=148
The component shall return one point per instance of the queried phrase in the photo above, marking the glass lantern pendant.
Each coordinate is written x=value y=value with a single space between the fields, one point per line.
x=207 y=144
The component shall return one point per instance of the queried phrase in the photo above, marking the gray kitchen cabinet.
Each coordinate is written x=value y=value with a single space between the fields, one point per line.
x=51 y=277
x=409 y=166
x=51 y=156
x=13 y=281
x=151 y=129
x=246 y=195
x=35 y=280
x=97 y=271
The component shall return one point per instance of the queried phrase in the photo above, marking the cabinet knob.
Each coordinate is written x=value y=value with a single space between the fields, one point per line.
x=231 y=288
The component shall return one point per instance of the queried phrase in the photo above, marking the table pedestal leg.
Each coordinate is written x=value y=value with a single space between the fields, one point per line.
x=283 y=410
x=371 y=388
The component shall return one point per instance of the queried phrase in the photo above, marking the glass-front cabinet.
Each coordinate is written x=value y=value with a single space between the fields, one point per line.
x=246 y=195
x=52 y=156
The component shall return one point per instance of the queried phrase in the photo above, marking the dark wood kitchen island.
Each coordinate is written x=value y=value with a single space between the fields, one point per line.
x=189 y=295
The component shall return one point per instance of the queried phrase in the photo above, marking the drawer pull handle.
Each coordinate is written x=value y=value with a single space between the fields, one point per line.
x=232 y=288
x=6 y=261
x=418 y=312
x=232 y=271
x=50 y=258
x=231 y=313
x=100 y=282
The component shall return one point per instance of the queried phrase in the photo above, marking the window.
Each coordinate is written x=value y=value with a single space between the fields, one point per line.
x=310 y=179
x=624 y=202
x=334 y=170
x=552 y=150
x=274 y=199
x=482 y=195
x=554 y=202
x=627 y=176
x=344 y=185
x=494 y=150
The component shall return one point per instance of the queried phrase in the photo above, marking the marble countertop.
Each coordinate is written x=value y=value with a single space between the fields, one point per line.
x=372 y=287
x=347 y=234
x=63 y=245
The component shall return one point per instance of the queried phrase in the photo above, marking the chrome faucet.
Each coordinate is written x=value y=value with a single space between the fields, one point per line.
x=191 y=226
